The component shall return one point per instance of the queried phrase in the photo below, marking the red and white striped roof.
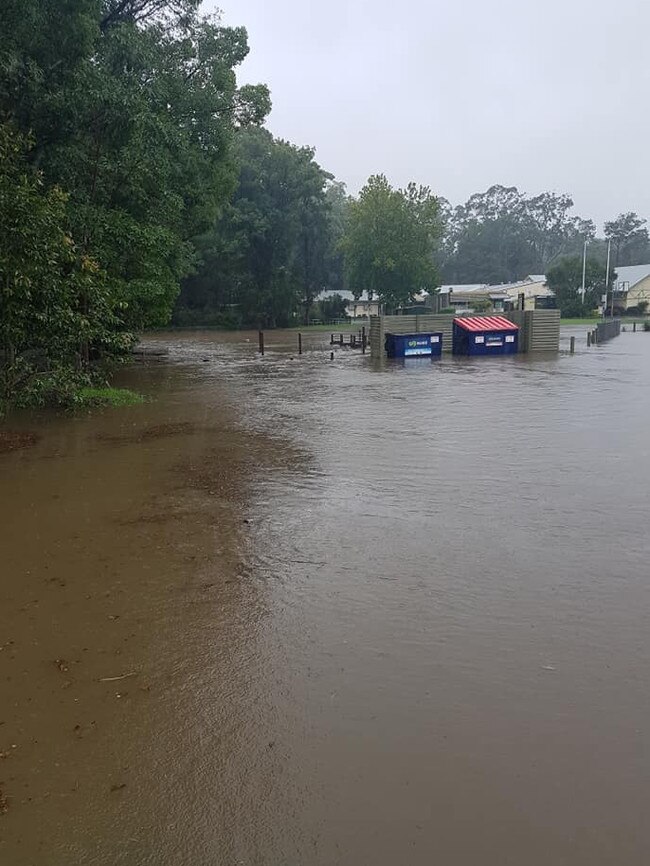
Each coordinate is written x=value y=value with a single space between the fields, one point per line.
x=486 y=323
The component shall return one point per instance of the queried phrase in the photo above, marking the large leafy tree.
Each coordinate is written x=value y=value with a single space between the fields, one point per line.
x=133 y=105
x=502 y=235
x=629 y=237
x=390 y=241
x=265 y=259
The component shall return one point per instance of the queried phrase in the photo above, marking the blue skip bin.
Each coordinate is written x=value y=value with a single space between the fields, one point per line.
x=414 y=345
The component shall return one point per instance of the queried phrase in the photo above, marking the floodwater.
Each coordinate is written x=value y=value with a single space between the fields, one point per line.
x=293 y=611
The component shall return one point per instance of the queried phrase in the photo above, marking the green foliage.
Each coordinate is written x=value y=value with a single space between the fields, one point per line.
x=54 y=300
x=565 y=280
x=502 y=235
x=630 y=241
x=389 y=241
x=331 y=307
x=131 y=107
x=92 y=397
x=265 y=260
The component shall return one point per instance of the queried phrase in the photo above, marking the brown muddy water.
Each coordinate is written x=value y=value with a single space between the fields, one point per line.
x=293 y=611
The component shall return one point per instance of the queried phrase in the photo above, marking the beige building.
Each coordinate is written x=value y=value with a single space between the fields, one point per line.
x=632 y=287
x=502 y=297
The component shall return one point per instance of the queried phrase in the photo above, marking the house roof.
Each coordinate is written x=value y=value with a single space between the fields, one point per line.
x=485 y=323
x=468 y=287
x=632 y=274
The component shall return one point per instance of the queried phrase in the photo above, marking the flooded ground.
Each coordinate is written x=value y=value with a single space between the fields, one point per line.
x=293 y=611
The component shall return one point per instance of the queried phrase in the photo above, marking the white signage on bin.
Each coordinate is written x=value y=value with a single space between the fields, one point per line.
x=510 y=338
x=479 y=339
x=435 y=339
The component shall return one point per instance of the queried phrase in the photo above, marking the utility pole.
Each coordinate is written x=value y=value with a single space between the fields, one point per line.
x=609 y=249
x=584 y=269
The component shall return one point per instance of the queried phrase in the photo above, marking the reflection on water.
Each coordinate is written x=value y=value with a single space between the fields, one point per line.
x=360 y=613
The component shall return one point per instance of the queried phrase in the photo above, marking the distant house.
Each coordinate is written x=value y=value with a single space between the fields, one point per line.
x=501 y=297
x=357 y=308
x=360 y=308
x=631 y=287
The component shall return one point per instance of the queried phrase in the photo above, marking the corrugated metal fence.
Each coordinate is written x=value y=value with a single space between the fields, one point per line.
x=539 y=329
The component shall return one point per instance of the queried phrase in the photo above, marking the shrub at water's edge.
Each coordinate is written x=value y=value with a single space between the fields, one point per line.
x=92 y=397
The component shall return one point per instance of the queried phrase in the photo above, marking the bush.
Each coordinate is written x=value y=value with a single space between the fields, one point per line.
x=92 y=397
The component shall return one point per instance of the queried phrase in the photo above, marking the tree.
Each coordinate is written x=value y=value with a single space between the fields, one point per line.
x=53 y=297
x=565 y=280
x=390 y=240
x=265 y=257
x=133 y=104
x=332 y=307
x=502 y=235
x=629 y=238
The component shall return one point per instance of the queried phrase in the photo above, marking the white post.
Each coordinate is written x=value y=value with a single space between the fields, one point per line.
x=609 y=247
x=584 y=269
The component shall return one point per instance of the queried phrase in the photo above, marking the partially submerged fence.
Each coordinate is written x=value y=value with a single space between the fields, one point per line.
x=539 y=330
x=607 y=330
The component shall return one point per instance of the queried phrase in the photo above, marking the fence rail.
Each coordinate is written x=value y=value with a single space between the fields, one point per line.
x=607 y=330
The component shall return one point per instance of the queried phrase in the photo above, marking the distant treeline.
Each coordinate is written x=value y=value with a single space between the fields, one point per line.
x=137 y=184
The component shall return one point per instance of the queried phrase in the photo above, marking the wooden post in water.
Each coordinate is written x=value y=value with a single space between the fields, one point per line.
x=340 y=339
x=573 y=345
x=331 y=356
x=260 y=337
x=363 y=341
x=331 y=339
x=633 y=327
x=588 y=338
x=299 y=343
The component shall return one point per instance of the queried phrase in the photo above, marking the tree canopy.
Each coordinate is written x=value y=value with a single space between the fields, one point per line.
x=503 y=235
x=565 y=280
x=390 y=241
x=131 y=107
x=265 y=259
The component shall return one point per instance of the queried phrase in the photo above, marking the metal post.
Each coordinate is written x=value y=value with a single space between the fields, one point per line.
x=584 y=269
x=260 y=337
x=573 y=345
x=609 y=247
x=299 y=343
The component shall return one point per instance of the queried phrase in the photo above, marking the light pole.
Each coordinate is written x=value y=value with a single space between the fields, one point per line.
x=584 y=269
x=609 y=248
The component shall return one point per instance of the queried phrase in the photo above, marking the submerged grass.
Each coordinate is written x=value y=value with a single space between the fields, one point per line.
x=91 y=397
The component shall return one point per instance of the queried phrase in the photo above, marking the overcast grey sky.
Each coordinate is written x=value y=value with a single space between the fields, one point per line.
x=544 y=95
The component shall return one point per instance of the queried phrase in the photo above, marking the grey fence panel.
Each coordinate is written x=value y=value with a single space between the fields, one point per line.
x=607 y=330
